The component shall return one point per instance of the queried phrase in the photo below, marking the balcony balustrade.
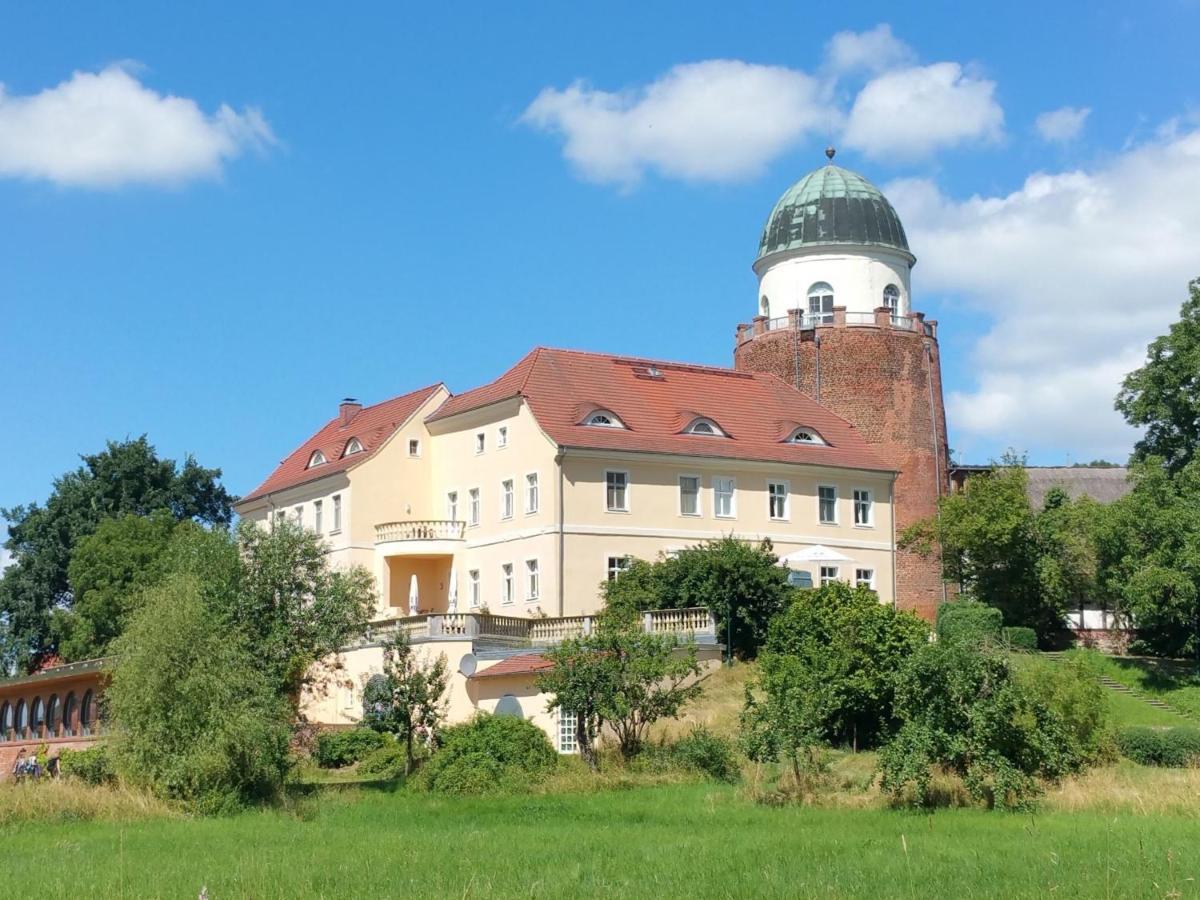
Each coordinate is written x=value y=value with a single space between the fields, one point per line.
x=420 y=530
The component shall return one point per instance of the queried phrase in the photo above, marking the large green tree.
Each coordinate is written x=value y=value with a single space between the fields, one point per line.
x=126 y=478
x=1163 y=396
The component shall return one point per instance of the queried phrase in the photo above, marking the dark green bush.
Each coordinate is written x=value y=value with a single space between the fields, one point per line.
x=1020 y=638
x=1176 y=747
x=92 y=766
x=489 y=754
x=969 y=621
x=707 y=753
x=342 y=748
x=386 y=762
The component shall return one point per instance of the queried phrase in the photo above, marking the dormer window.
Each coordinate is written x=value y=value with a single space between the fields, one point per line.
x=706 y=427
x=317 y=459
x=804 y=435
x=602 y=418
x=354 y=446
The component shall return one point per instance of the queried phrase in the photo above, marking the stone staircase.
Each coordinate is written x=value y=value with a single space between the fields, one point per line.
x=1114 y=685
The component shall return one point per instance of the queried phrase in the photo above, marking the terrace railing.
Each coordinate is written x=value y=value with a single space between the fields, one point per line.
x=420 y=530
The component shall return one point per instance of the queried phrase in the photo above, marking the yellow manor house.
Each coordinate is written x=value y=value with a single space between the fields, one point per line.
x=490 y=519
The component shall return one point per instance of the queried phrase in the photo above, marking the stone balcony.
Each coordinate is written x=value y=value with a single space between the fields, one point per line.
x=839 y=317
x=420 y=537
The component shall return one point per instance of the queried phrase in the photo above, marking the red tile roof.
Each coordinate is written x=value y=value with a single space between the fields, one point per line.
x=757 y=411
x=372 y=425
x=525 y=664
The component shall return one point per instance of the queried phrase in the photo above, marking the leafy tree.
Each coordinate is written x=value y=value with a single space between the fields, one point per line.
x=622 y=678
x=723 y=575
x=1164 y=394
x=293 y=607
x=826 y=674
x=108 y=572
x=962 y=709
x=409 y=699
x=1149 y=556
x=127 y=478
x=196 y=718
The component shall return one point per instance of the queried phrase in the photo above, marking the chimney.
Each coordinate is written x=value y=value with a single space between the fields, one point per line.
x=348 y=409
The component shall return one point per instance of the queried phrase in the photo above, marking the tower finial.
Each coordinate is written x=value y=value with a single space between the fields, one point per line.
x=829 y=152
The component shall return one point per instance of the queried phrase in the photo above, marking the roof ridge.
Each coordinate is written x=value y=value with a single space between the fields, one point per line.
x=627 y=358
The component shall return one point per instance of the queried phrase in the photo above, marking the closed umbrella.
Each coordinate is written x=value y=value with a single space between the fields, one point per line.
x=414 y=597
x=453 y=597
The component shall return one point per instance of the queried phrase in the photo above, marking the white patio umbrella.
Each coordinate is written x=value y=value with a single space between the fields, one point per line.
x=453 y=593
x=414 y=597
x=815 y=553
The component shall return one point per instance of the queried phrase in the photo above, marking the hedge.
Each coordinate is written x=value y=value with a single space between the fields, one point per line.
x=489 y=754
x=1020 y=638
x=1176 y=747
x=969 y=621
x=342 y=748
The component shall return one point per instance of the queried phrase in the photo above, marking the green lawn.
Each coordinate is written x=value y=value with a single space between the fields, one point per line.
x=689 y=840
x=1173 y=681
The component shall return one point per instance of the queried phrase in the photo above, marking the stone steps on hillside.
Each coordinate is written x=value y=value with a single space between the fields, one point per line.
x=1113 y=685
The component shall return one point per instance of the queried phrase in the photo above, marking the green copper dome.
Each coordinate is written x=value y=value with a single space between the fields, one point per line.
x=832 y=205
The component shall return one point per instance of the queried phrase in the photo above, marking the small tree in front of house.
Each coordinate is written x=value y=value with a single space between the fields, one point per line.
x=622 y=678
x=409 y=699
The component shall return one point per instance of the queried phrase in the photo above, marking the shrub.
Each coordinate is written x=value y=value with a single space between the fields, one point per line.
x=1020 y=638
x=707 y=753
x=488 y=754
x=387 y=761
x=1176 y=747
x=968 y=620
x=342 y=748
x=1072 y=690
x=92 y=766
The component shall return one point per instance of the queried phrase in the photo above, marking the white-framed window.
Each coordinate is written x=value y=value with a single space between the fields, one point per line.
x=864 y=509
x=617 y=566
x=502 y=437
x=532 y=497
x=891 y=298
x=353 y=446
x=480 y=441
x=567 y=731
x=829 y=574
x=724 y=497
x=317 y=459
x=765 y=305
x=689 y=495
x=705 y=427
x=298 y=515
x=827 y=504
x=864 y=578
x=473 y=506
x=805 y=435
x=452 y=505
x=318 y=516
x=602 y=418
x=532 y=579
x=506 y=583
x=506 y=498
x=473 y=586
x=337 y=512
x=777 y=500
x=820 y=304
x=616 y=491
x=414 y=447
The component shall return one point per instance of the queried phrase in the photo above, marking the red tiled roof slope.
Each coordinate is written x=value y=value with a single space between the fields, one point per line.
x=525 y=664
x=758 y=411
x=372 y=425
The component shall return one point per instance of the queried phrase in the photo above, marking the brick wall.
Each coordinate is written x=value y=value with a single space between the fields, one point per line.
x=879 y=379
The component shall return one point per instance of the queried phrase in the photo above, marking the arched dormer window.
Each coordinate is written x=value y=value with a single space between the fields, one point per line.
x=705 y=427
x=602 y=418
x=317 y=459
x=354 y=445
x=805 y=435
x=820 y=304
x=891 y=299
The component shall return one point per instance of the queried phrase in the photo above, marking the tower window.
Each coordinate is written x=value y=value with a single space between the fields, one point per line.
x=891 y=298
x=820 y=304
x=765 y=305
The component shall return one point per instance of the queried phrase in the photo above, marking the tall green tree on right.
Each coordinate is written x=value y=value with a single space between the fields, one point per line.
x=1163 y=396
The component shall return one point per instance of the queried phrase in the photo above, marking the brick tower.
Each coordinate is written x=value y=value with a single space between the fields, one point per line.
x=835 y=319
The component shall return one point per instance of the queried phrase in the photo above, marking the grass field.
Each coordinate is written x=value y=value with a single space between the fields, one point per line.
x=1174 y=681
x=684 y=840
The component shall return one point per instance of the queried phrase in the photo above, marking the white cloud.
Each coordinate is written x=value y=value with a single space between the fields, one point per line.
x=1075 y=273
x=909 y=113
x=719 y=120
x=1062 y=125
x=876 y=50
x=106 y=129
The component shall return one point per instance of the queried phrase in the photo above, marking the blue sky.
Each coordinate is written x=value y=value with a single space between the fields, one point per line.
x=221 y=220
